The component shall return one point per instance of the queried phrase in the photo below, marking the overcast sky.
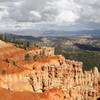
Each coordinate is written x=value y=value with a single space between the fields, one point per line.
x=49 y=14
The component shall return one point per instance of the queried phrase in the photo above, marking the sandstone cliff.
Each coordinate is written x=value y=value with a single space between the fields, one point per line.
x=51 y=77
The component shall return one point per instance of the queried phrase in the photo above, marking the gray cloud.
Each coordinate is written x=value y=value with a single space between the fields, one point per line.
x=1 y=9
x=55 y=12
x=22 y=12
x=89 y=10
x=8 y=0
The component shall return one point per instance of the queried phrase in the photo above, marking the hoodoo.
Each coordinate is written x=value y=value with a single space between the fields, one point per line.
x=39 y=74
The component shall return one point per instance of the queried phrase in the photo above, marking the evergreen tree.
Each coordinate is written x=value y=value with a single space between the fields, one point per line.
x=27 y=57
x=7 y=60
x=35 y=57
x=28 y=44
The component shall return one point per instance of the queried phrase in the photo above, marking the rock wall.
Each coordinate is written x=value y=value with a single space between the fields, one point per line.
x=53 y=71
x=68 y=76
x=47 y=51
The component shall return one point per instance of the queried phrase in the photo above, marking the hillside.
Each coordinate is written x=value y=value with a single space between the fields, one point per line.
x=82 y=48
x=41 y=75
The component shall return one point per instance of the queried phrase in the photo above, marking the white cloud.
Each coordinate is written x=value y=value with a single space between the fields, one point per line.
x=17 y=26
x=89 y=11
x=3 y=13
x=35 y=13
x=66 y=11
x=55 y=12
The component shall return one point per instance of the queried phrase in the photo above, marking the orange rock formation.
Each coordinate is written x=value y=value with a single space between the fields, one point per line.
x=50 y=77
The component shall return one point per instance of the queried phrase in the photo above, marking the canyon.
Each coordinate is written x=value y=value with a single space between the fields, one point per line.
x=39 y=74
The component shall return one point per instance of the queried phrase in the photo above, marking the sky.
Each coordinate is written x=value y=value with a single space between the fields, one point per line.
x=30 y=15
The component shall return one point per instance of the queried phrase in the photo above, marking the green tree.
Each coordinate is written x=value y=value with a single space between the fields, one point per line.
x=28 y=44
x=5 y=38
x=35 y=57
x=7 y=60
x=1 y=37
x=27 y=57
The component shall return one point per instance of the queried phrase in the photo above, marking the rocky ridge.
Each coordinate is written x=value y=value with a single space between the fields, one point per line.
x=50 y=76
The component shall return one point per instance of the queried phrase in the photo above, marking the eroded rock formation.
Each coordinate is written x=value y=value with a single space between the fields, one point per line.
x=55 y=77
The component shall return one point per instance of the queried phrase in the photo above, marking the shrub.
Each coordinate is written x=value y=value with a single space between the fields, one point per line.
x=14 y=63
x=3 y=71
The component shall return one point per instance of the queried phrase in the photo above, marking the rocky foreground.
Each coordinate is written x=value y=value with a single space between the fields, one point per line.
x=44 y=76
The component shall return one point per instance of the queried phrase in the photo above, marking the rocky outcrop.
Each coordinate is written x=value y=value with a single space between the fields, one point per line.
x=49 y=75
x=47 y=51
x=55 y=72
x=52 y=94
